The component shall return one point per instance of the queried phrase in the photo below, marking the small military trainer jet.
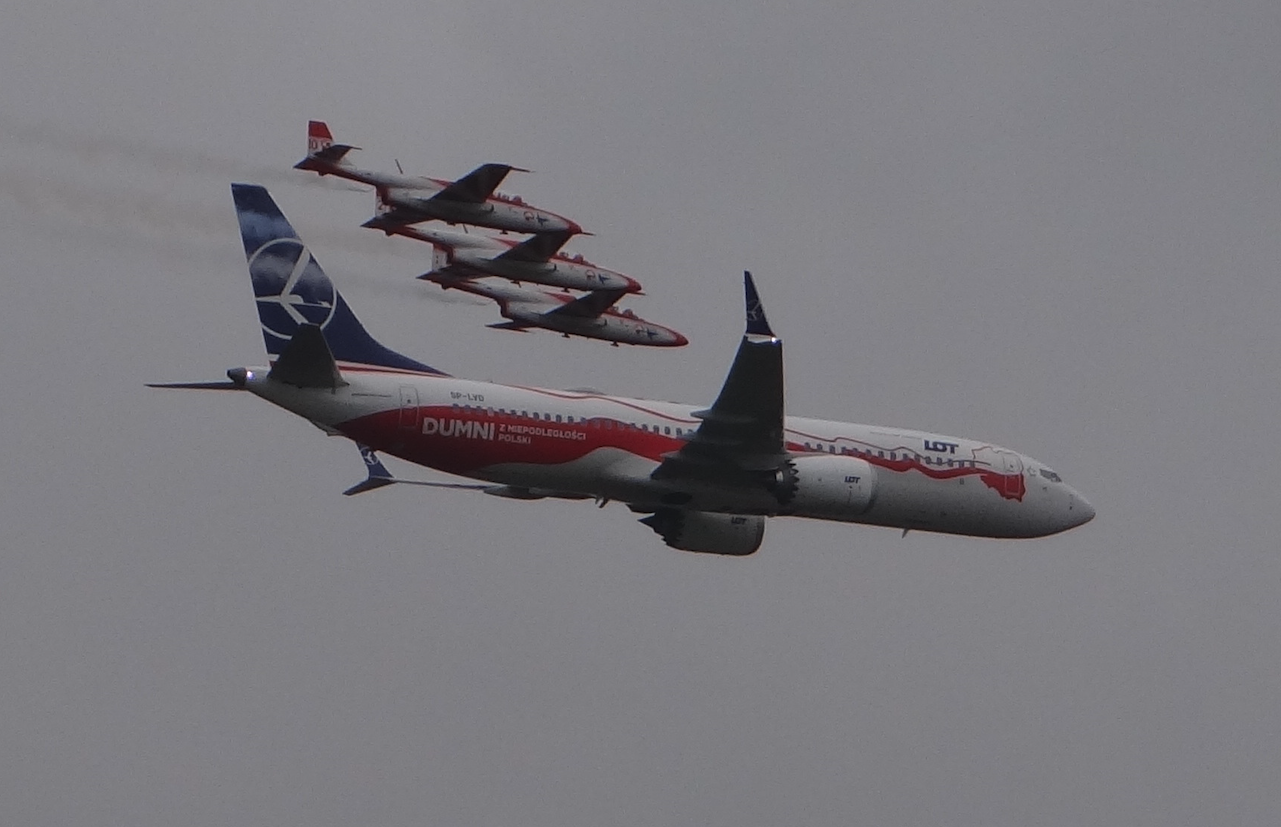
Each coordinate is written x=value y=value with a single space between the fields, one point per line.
x=592 y=316
x=472 y=199
x=536 y=259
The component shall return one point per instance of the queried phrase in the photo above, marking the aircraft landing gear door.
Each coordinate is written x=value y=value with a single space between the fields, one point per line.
x=408 y=409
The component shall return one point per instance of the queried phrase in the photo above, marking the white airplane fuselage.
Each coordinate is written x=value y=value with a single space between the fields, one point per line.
x=578 y=444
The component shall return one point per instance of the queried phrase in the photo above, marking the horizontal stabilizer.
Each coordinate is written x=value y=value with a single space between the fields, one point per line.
x=517 y=326
x=388 y=220
x=224 y=385
x=449 y=276
x=334 y=152
x=307 y=362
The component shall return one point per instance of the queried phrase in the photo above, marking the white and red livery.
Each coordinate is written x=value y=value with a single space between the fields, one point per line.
x=537 y=259
x=707 y=477
x=406 y=199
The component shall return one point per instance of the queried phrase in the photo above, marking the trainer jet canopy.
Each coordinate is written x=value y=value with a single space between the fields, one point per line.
x=537 y=259
x=472 y=199
x=592 y=316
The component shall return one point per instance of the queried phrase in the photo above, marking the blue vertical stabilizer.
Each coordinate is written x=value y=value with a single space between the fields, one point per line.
x=292 y=290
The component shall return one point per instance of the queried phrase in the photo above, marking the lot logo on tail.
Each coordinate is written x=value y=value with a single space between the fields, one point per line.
x=290 y=287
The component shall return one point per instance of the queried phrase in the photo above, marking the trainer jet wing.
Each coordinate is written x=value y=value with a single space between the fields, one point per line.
x=740 y=439
x=589 y=306
x=538 y=248
x=477 y=185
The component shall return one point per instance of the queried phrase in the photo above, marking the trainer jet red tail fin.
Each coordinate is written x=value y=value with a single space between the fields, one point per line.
x=323 y=155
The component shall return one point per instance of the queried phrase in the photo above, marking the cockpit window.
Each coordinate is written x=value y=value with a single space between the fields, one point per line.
x=1050 y=475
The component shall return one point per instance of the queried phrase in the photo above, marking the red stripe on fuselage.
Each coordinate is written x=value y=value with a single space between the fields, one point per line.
x=462 y=441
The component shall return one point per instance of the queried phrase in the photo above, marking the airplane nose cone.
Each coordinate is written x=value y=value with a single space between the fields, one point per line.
x=1082 y=511
x=680 y=340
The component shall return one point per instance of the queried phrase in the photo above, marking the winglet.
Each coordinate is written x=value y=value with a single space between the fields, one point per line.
x=378 y=477
x=757 y=324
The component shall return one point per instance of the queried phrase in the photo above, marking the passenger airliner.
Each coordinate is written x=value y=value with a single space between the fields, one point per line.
x=706 y=477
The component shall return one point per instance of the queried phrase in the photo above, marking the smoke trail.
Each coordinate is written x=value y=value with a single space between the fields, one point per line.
x=83 y=186
x=98 y=151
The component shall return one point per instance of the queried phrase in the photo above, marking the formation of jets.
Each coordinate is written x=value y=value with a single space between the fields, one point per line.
x=705 y=477
x=484 y=265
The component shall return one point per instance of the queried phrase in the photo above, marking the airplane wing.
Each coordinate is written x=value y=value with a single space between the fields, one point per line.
x=538 y=248
x=740 y=440
x=589 y=306
x=477 y=185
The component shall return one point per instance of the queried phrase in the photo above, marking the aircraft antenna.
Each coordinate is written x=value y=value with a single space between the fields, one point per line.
x=398 y=167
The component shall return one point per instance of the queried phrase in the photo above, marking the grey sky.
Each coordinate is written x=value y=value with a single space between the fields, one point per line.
x=1048 y=225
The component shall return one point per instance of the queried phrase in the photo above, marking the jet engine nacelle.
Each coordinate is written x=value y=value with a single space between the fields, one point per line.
x=701 y=531
x=832 y=486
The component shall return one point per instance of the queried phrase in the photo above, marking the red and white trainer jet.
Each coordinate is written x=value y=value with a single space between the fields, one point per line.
x=472 y=199
x=537 y=259
x=591 y=316
x=706 y=477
